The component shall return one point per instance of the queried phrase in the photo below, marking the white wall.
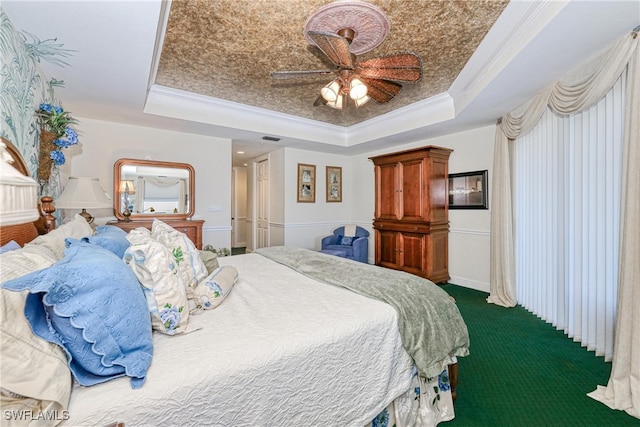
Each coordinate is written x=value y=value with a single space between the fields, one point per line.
x=102 y=143
x=307 y=223
x=292 y=223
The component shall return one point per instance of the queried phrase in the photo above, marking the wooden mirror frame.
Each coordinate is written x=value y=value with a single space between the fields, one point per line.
x=117 y=173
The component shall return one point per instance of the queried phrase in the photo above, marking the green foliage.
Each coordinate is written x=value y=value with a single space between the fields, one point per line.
x=217 y=251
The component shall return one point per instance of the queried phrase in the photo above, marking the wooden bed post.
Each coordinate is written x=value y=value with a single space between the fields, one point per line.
x=453 y=379
x=48 y=208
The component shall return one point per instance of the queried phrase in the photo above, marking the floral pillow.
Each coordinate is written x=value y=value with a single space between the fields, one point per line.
x=156 y=268
x=216 y=287
x=190 y=267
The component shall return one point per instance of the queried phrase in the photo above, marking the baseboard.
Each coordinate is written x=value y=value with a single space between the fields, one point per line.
x=471 y=284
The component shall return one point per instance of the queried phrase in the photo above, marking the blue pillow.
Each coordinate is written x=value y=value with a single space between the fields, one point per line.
x=11 y=246
x=109 y=237
x=346 y=240
x=91 y=304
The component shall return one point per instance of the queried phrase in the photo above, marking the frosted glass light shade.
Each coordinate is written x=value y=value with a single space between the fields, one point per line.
x=331 y=91
x=338 y=103
x=358 y=89
x=360 y=102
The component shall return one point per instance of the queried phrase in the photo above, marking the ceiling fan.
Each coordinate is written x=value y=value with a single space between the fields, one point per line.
x=355 y=27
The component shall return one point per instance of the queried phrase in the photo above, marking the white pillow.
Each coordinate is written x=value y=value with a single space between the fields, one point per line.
x=34 y=372
x=54 y=240
x=216 y=287
x=156 y=270
x=191 y=269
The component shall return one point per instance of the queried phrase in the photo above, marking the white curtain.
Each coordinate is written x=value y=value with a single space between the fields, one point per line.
x=566 y=218
x=576 y=93
x=162 y=181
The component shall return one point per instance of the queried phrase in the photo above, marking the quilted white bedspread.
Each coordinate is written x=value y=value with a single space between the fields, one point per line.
x=281 y=350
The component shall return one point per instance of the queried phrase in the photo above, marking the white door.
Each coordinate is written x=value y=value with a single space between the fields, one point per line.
x=239 y=207
x=262 y=204
x=234 y=200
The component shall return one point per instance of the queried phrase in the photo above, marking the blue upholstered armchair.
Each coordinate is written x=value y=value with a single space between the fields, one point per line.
x=355 y=248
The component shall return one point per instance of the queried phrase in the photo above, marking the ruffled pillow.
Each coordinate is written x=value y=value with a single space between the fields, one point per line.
x=109 y=237
x=90 y=304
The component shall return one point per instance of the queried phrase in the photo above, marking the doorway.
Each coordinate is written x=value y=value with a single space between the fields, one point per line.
x=238 y=210
x=262 y=204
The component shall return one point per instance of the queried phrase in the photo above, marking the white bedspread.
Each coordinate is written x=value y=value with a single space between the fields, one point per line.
x=281 y=350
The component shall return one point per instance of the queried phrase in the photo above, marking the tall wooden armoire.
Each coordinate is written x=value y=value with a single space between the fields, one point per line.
x=412 y=211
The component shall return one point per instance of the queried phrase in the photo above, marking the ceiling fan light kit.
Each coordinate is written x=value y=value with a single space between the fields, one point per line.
x=342 y=30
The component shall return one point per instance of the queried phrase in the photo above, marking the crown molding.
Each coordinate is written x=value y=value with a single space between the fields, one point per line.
x=517 y=26
x=179 y=104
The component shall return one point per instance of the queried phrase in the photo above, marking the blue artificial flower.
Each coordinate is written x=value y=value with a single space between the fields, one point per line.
x=46 y=107
x=57 y=109
x=62 y=143
x=71 y=135
x=57 y=156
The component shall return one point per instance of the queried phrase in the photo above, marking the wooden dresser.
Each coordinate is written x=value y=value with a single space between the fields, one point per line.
x=412 y=211
x=191 y=227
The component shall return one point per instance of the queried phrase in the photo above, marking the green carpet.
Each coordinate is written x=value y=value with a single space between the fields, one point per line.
x=521 y=371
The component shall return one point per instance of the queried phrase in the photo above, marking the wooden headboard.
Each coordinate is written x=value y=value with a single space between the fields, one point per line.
x=24 y=233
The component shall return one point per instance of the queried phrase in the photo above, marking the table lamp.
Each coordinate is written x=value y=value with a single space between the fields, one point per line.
x=83 y=193
x=126 y=189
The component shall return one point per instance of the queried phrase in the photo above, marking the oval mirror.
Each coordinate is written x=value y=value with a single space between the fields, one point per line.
x=153 y=189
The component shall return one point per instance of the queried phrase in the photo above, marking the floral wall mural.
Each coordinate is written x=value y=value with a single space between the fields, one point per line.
x=24 y=89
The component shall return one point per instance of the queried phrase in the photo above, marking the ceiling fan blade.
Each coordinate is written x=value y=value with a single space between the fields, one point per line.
x=335 y=47
x=403 y=67
x=283 y=75
x=381 y=91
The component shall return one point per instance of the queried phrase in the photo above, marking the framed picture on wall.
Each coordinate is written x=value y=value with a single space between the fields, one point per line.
x=306 y=183
x=468 y=190
x=334 y=184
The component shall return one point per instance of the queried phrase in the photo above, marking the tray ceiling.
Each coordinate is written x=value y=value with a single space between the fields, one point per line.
x=227 y=48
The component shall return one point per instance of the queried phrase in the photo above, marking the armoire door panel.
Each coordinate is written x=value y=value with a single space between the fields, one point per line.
x=412 y=190
x=387 y=192
x=387 y=249
x=412 y=252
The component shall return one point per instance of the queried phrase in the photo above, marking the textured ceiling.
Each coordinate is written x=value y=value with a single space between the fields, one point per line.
x=227 y=48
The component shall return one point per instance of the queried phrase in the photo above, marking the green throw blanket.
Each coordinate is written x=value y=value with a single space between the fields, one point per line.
x=430 y=324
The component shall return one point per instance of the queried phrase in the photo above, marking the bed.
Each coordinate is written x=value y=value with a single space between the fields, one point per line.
x=288 y=344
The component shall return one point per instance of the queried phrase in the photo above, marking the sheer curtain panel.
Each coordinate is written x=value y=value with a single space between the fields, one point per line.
x=566 y=217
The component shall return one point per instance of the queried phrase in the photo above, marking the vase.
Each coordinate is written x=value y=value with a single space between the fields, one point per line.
x=45 y=162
